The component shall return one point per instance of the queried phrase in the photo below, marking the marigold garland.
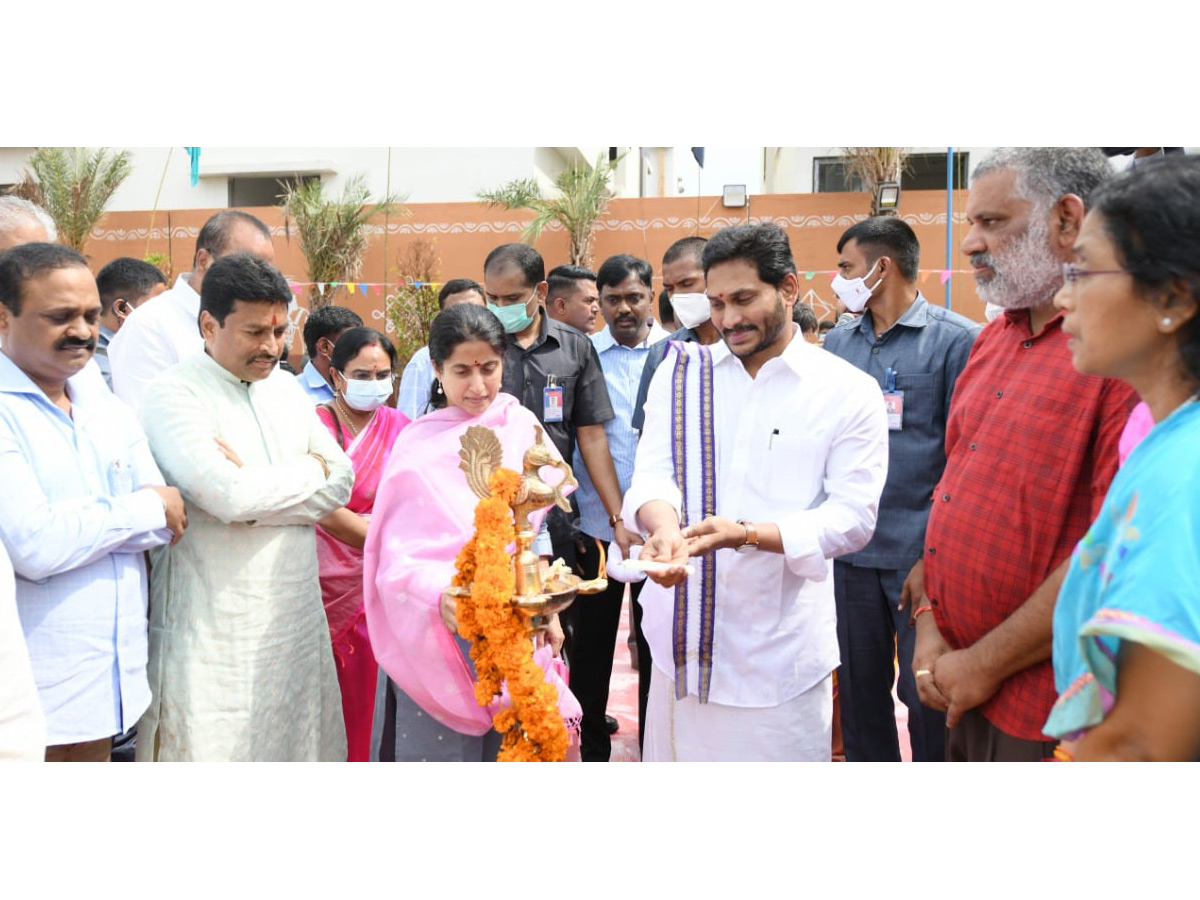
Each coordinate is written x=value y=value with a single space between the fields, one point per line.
x=533 y=728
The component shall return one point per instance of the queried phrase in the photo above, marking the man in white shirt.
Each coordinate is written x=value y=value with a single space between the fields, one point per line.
x=626 y=293
x=160 y=333
x=772 y=455
x=83 y=500
x=241 y=667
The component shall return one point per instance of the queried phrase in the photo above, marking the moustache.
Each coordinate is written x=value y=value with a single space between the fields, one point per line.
x=982 y=259
x=741 y=329
x=75 y=344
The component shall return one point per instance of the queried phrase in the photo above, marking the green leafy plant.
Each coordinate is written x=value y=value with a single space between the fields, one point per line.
x=75 y=185
x=160 y=261
x=333 y=232
x=580 y=199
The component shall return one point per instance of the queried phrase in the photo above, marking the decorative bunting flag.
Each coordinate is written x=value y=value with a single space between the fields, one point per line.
x=321 y=286
x=350 y=285
x=809 y=276
x=363 y=288
x=945 y=275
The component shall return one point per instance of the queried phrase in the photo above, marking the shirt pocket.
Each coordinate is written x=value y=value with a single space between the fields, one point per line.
x=920 y=398
x=121 y=475
x=794 y=479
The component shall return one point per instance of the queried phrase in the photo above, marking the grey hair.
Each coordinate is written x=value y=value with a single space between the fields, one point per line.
x=1045 y=174
x=16 y=211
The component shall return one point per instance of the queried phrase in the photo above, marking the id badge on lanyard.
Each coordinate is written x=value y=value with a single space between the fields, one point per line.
x=552 y=400
x=893 y=401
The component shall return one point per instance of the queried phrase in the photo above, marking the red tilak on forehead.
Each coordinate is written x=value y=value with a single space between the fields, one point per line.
x=274 y=319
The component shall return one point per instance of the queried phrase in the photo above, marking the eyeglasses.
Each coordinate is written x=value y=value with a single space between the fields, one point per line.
x=1072 y=272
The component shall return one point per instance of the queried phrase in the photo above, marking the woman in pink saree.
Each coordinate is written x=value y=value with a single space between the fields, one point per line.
x=363 y=368
x=424 y=515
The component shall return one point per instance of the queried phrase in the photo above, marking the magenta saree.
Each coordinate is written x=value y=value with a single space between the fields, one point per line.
x=342 y=577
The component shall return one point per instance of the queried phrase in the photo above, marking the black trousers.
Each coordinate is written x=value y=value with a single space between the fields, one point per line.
x=590 y=625
x=874 y=638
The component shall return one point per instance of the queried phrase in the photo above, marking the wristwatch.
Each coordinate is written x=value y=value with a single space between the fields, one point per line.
x=613 y=520
x=751 y=542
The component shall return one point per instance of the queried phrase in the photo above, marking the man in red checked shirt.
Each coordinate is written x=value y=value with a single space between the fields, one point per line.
x=1031 y=446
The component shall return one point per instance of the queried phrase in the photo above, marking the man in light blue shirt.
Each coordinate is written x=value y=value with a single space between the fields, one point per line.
x=322 y=328
x=626 y=302
x=83 y=500
x=417 y=380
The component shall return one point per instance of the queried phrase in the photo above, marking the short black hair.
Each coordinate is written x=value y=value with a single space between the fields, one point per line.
x=1151 y=213
x=241 y=276
x=803 y=315
x=688 y=246
x=214 y=236
x=325 y=322
x=666 y=312
x=352 y=341
x=25 y=262
x=562 y=279
x=766 y=245
x=458 y=286
x=126 y=278
x=520 y=256
x=617 y=268
x=886 y=236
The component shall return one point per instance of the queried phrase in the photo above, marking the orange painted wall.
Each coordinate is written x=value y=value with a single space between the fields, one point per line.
x=462 y=234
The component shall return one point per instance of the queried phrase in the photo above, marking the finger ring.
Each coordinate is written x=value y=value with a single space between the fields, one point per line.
x=921 y=672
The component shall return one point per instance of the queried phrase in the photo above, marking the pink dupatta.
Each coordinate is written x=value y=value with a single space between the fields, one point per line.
x=342 y=565
x=424 y=514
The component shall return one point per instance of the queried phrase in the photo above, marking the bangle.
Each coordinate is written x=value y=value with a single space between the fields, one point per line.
x=923 y=609
x=613 y=520
x=1061 y=755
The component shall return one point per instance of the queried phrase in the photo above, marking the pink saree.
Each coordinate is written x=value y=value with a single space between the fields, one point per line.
x=424 y=515
x=342 y=578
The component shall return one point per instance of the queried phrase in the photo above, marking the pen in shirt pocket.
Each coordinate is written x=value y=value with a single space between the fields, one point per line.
x=771 y=440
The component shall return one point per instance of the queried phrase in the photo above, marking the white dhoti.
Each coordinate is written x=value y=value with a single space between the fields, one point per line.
x=798 y=730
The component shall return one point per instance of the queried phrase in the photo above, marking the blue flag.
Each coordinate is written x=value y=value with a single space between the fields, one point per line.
x=194 y=154
x=697 y=152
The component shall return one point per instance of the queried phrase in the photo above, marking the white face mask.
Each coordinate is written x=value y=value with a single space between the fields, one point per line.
x=853 y=292
x=366 y=396
x=691 y=309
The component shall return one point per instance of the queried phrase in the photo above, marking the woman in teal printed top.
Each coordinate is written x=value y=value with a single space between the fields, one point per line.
x=1127 y=623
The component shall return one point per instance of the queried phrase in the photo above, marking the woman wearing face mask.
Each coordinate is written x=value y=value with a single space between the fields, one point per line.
x=1127 y=620
x=362 y=366
x=424 y=515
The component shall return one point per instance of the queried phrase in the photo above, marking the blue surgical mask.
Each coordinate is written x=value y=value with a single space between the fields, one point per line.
x=366 y=396
x=514 y=318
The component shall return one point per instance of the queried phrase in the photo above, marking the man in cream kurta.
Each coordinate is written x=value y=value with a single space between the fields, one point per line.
x=241 y=667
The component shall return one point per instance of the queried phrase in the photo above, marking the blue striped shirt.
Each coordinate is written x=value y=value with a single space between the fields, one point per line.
x=622 y=368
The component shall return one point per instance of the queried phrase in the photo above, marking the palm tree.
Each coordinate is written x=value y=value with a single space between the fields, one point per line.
x=873 y=166
x=333 y=232
x=75 y=185
x=582 y=196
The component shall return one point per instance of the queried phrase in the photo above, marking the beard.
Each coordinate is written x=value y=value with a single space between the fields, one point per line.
x=772 y=326
x=1026 y=273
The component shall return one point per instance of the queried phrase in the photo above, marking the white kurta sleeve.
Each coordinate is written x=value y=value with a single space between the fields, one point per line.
x=653 y=473
x=855 y=472
x=333 y=494
x=182 y=434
